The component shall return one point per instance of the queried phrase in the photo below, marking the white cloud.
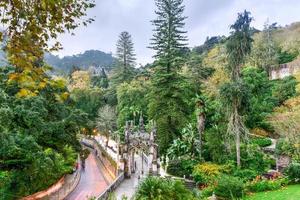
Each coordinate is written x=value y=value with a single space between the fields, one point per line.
x=205 y=18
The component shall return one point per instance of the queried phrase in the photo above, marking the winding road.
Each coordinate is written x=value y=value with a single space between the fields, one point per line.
x=92 y=182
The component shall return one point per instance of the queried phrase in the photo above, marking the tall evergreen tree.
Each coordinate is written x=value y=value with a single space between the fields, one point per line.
x=238 y=48
x=168 y=103
x=124 y=71
x=169 y=38
x=125 y=50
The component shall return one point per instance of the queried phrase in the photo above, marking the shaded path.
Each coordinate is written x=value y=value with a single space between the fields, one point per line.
x=92 y=182
x=128 y=186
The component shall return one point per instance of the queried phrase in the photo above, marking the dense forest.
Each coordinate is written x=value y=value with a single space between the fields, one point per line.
x=215 y=107
x=82 y=61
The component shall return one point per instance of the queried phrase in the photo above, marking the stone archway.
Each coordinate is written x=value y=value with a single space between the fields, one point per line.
x=142 y=142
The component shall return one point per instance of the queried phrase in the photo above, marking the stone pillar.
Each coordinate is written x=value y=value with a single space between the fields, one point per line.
x=128 y=169
x=132 y=161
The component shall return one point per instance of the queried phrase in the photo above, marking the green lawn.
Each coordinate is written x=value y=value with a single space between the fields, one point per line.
x=291 y=192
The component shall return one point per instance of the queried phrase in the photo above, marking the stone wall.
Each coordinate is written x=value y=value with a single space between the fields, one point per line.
x=59 y=190
x=284 y=70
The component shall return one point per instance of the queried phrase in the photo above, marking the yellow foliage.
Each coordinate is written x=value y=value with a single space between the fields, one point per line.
x=209 y=169
x=25 y=93
x=288 y=38
x=216 y=58
x=259 y=132
x=80 y=80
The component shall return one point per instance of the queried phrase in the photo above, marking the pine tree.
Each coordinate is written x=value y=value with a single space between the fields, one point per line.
x=124 y=71
x=238 y=48
x=125 y=50
x=169 y=38
x=168 y=103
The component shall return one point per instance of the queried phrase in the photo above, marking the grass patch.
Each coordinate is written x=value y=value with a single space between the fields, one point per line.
x=291 y=192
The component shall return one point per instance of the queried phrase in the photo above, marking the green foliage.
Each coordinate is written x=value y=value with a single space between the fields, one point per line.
x=286 y=57
x=155 y=188
x=293 y=172
x=168 y=105
x=253 y=158
x=30 y=26
x=181 y=167
x=258 y=101
x=229 y=187
x=132 y=101
x=209 y=43
x=125 y=50
x=262 y=142
x=82 y=61
x=187 y=145
x=284 y=89
x=38 y=139
x=101 y=80
x=264 y=53
x=245 y=174
x=261 y=185
x=283 y=147
x=88 y=100
x=214 y=147
x=124 y=71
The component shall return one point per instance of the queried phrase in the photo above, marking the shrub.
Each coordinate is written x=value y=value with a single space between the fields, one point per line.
x=206 y=173
x=253 y=158
x=293 y=172
x=229 y=187
x=182 y=167
x=245 y=174
x=284 y=89
x=260 y=185
x=283 y=147
x=262 y=142
x=207 y=192
x=159 y=188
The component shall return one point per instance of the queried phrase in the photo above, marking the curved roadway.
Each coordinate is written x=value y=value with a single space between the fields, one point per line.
x=92 y=182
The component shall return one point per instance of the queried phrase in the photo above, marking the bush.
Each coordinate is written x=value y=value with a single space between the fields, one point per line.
x=293 y=172
x=262 y=142
x=261 y=185
x=253 y=158
x=207 y=192
x=229 y=187
x=245 y=174
x=206 y=173
x=284 y=89
x=159 y=188
x=181 y=168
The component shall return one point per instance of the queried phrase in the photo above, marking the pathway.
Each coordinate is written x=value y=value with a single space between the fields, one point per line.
x=129 y=186
x=92 y=182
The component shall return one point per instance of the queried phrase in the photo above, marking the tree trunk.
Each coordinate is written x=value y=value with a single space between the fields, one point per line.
x=237 y=129
x=200 y=126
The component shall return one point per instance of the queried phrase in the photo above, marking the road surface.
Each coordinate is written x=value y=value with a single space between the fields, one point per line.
x=92 y=182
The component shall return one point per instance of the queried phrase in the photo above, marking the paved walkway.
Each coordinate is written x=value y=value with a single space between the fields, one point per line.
x=129 y=186
x=92 y=182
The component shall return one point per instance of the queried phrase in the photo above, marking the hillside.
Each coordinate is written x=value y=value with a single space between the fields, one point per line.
x=82 y=61
x=288 y=38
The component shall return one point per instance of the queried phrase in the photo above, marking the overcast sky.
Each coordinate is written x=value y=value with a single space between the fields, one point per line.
x=205 y=18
